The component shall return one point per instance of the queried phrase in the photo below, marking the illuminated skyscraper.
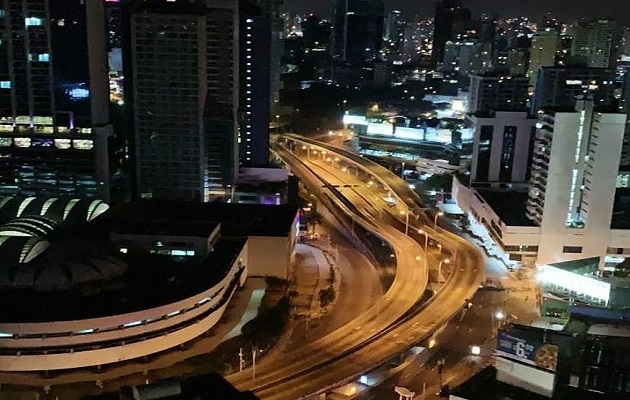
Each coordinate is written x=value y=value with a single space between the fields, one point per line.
x=542 y=53
x=255 y=48
x=55 y=133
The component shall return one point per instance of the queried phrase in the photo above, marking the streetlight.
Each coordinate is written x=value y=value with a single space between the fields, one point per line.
x=406 y=214
x=426 y=238
x=437 y=214
x=402 y=171
x=498 y=316
x=444 y=261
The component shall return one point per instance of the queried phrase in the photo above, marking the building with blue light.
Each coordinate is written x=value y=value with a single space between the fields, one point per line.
x=56 y=137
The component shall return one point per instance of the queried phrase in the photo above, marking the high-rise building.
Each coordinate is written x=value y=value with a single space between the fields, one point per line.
x=447 y=14
x=255 y=47
x=114 y=24
x=394 y=36
x=559 y=86
x=596 y=43
x=358 y=29
x=495 y=91
x=272 y=9
x=181 y=77
x=393 y=25
x=624 y=107
x=573 y=180
x=56 y=138
x=501 y=143
x=542 y=53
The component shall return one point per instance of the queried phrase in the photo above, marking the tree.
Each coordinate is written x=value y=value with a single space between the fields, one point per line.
x=439 y=182
x=326 y=296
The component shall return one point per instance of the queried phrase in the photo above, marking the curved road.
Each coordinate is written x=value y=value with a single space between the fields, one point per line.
x=368 y=340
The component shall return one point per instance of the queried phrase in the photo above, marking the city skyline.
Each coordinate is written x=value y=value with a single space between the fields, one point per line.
x=565 y=9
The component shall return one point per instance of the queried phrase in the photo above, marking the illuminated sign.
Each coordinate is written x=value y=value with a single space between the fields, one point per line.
x=528 y=351
x=575 y=283
x=354 y=119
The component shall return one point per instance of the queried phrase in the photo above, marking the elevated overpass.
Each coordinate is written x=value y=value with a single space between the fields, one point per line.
x=373 y=337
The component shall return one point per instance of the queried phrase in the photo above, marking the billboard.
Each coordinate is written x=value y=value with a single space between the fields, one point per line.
x=528 y=350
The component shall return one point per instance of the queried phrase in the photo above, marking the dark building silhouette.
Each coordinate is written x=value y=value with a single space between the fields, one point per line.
x=181 y=63
x=255 y=48
x=358 y=29
x=559 y=86
x=448 y=13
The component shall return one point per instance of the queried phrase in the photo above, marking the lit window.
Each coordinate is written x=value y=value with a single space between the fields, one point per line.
x=5 y=84
x=45 y=57
x=81 y=144
x=2 y=13
x=33 y=21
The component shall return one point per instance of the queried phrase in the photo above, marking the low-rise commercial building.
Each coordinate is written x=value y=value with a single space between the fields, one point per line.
x=565 y=211
x=85 y=286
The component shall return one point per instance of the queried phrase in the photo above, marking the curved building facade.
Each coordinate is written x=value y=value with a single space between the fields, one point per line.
x=80 y=291
x=57 y=344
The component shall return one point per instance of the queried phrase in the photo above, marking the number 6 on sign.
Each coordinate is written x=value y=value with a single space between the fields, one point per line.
x=520 y=349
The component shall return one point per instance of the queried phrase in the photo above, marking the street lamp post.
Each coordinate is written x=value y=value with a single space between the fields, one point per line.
x=240 y=359
x=406 y=214
x=497 y=318
x=444 y=261
x=438 y=214
x=402 y=171
x=426 y=247
x=440 y=369
x=254 y=351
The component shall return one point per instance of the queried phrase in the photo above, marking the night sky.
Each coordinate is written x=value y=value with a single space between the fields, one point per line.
x=567 y=10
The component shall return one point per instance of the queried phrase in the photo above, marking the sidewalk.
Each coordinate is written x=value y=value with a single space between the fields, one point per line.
x=315 y=271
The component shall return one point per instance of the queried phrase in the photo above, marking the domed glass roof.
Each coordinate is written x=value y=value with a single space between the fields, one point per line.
x=63 y=266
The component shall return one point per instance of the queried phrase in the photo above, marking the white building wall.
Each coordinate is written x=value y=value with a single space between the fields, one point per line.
x=499 y=122
x=270 y=256
x=510 y=236
x=600 y=181
x=556 y=192
x=596 y=170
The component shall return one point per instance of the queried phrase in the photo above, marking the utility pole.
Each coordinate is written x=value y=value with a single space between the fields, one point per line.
x=240 y=360
x=440 y=369
x=254 y=351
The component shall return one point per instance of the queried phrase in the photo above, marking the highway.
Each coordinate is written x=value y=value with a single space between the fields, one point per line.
x=408 y=286
x=387 y=178
x=380 y=333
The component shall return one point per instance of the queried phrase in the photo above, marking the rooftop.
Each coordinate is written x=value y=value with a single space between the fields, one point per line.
x=148 y=281
x=609 y=330
x=509 y=205
x=499 y=74
x=167 y=228
x=237 y=220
